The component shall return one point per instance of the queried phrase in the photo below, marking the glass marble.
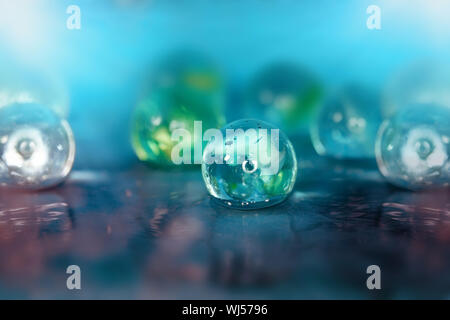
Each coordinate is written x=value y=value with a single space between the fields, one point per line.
x=184 y=88
x=285 y=95
x=37 y=147
x=346 y=125
x=412 y=148
x=244 y=179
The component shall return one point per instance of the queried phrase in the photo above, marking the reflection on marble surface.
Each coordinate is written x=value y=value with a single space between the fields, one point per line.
x=156 y=234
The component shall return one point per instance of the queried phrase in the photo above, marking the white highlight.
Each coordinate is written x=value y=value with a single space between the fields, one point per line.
x=411 y=158
x=38 y=158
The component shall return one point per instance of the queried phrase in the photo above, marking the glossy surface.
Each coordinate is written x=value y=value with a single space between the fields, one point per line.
x=413 y=147
x=37 y=148
x=253 y=166
x=346 y=125
x=153 y=234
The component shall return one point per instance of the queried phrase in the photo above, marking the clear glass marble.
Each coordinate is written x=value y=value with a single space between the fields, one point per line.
x=253 y=166
x=346 y=125
x=412 y=148
x=184 y=88
x=37 y=147
x=285 y=95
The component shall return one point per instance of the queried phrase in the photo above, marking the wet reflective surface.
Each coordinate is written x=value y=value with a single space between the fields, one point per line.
x=145 y=233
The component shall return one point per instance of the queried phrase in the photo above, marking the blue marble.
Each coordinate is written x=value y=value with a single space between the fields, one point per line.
x=346 y=125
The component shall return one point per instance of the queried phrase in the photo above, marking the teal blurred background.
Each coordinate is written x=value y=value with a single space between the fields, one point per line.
x=102 y=65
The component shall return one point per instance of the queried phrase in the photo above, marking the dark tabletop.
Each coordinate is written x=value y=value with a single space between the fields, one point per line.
x=150 y=233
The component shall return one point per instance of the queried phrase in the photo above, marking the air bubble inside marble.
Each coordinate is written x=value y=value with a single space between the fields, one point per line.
x=412 y=148
x=249 y=169
x=37 y=147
